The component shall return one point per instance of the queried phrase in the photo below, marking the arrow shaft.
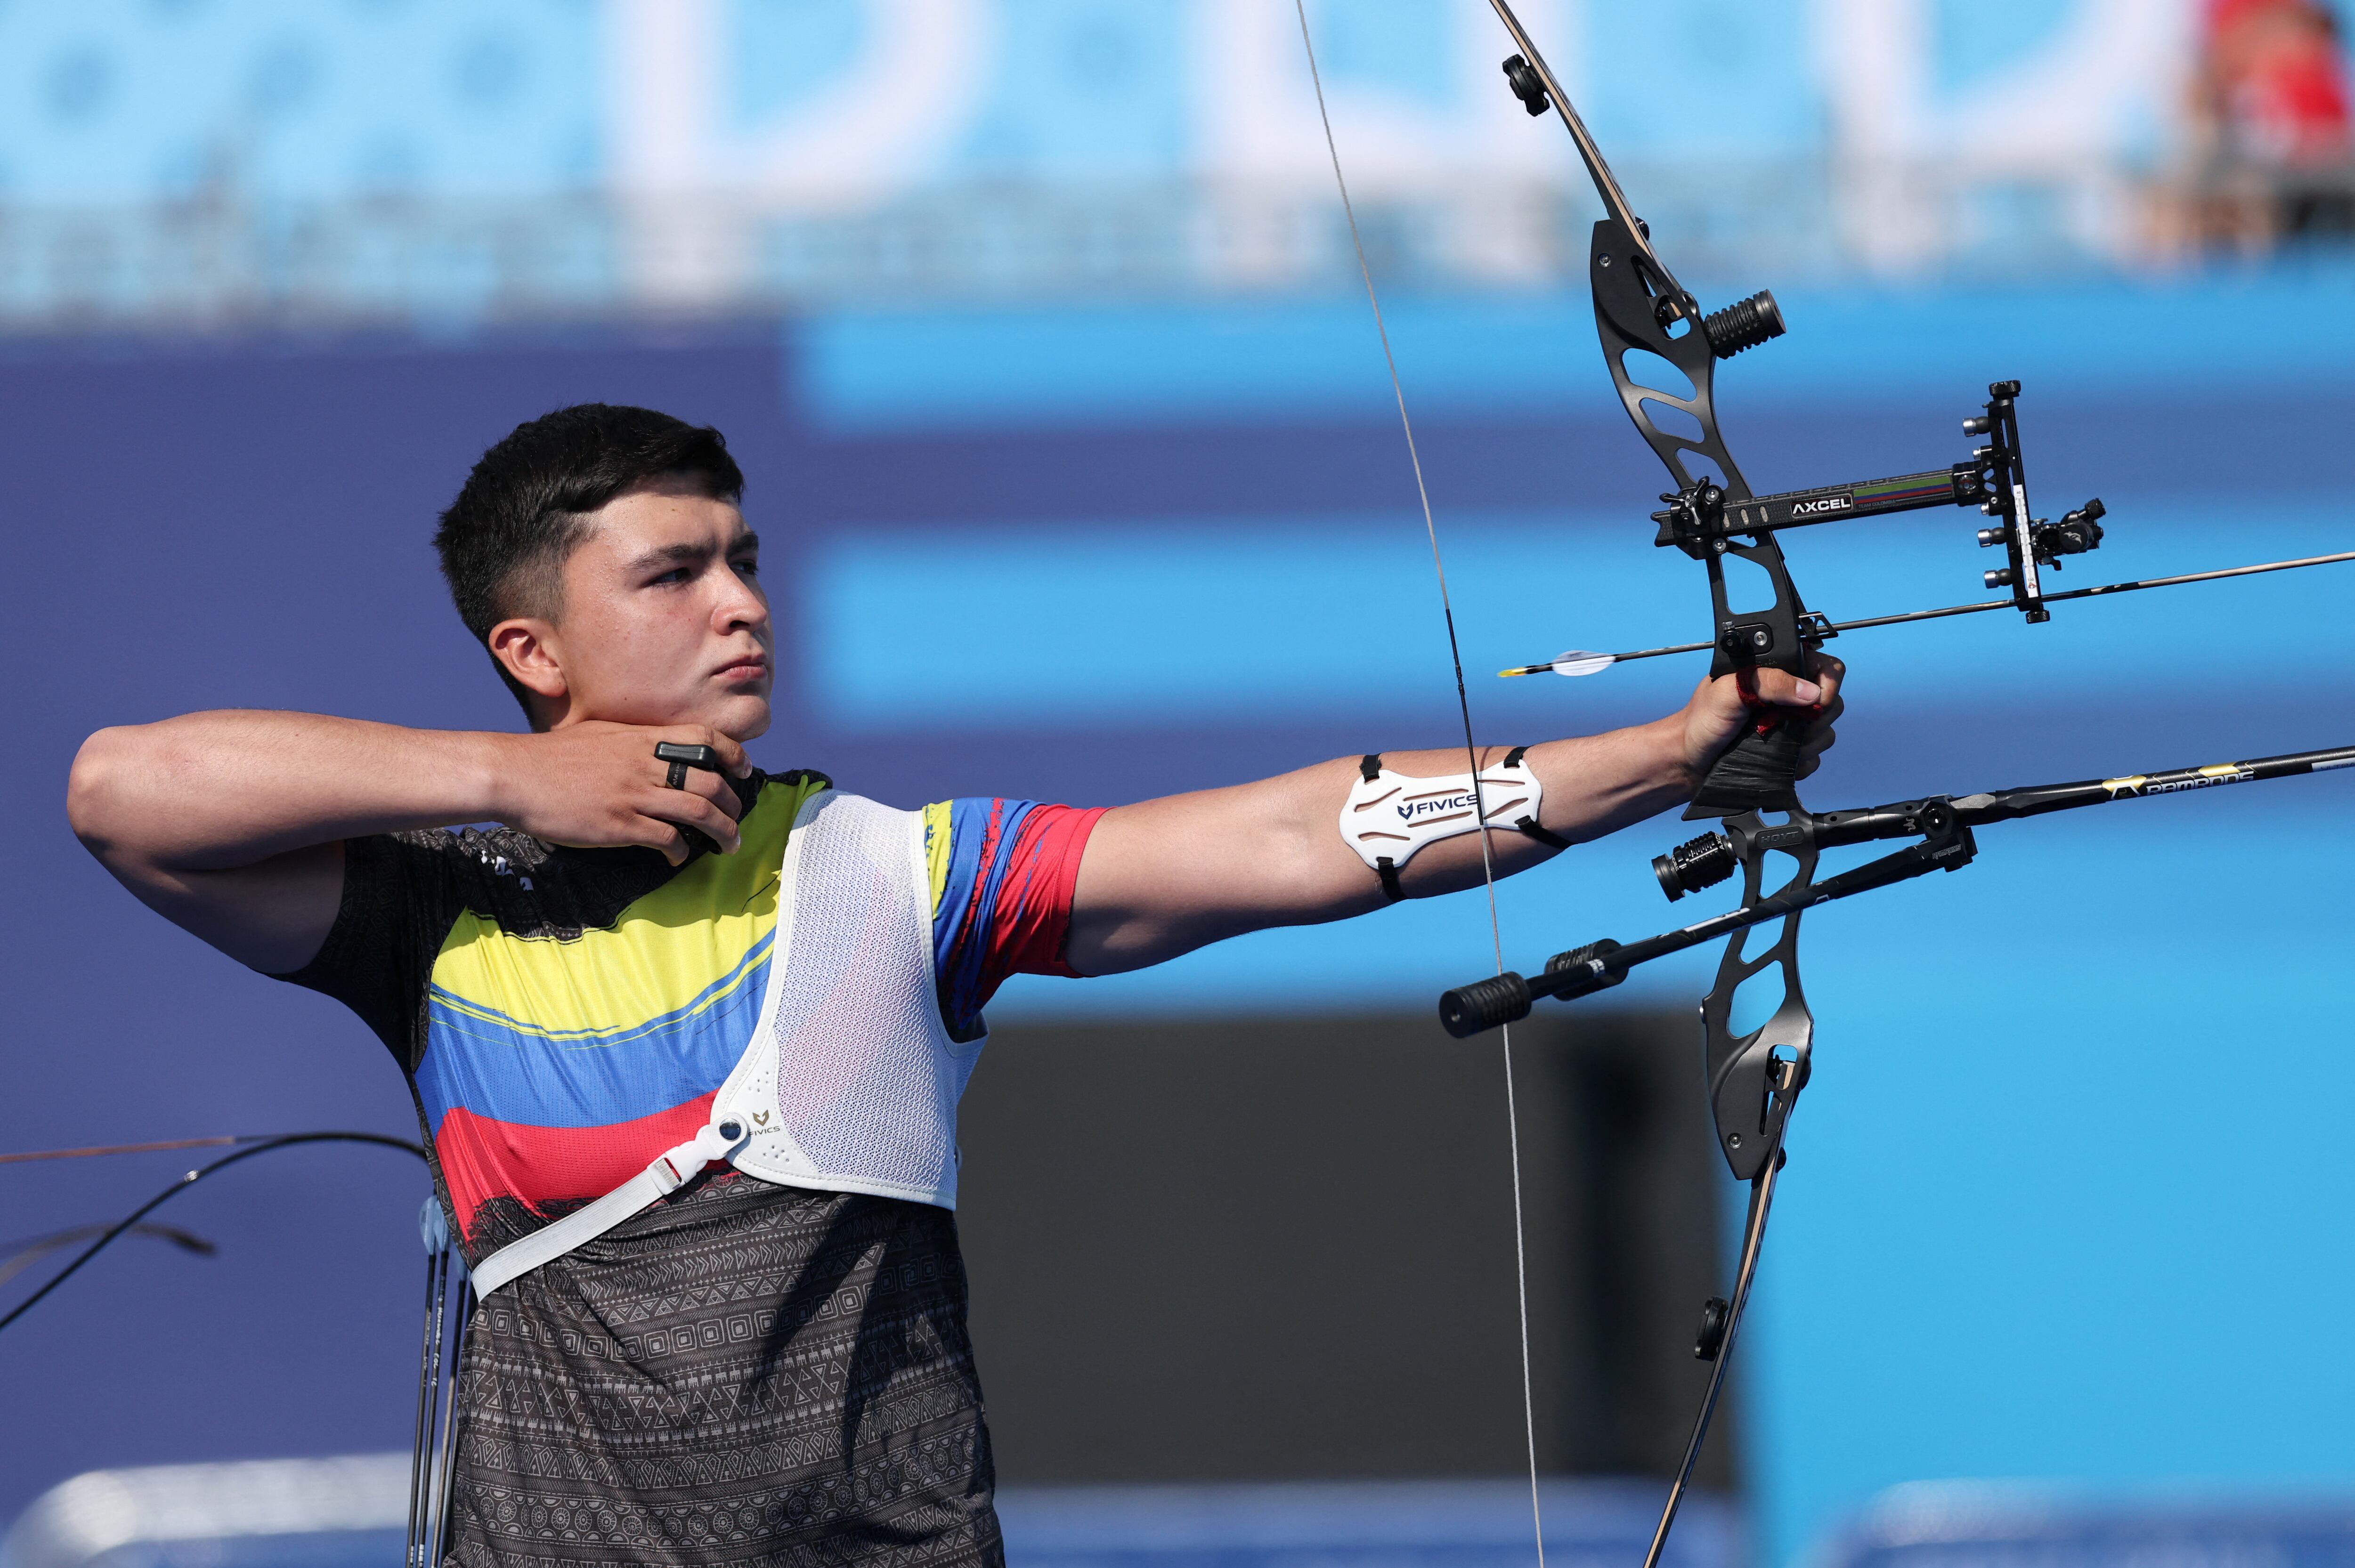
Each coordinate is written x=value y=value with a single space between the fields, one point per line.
x=1983 y=605
x=2076 y=593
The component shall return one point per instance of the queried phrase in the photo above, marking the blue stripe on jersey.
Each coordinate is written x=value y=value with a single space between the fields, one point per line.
x=982 y=833
x=514 y=1071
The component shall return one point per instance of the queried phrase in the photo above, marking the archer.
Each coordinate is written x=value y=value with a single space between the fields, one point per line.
x=748 y=998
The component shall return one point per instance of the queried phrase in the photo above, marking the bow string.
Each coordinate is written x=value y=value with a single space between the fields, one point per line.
x=1472 y=759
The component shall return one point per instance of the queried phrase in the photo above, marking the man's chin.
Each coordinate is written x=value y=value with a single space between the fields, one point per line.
x=740 y=719
x=739 y=715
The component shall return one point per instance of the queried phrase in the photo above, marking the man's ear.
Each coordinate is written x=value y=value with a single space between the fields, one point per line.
x=530 y=650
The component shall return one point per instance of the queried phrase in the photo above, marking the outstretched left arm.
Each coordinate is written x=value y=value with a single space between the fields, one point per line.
x=1163 y=877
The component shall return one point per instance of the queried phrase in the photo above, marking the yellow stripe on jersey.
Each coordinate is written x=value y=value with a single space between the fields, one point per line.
x=937 y=845
x=684 y=945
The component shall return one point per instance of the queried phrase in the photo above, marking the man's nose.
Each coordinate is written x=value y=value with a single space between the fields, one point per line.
x=740 y=604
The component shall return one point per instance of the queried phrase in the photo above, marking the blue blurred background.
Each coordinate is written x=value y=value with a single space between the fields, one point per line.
x=1033 y=324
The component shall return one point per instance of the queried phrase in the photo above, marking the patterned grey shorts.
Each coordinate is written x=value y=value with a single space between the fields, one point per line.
x=744 y=1375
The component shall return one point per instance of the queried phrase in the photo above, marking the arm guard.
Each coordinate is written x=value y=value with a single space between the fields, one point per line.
x=1388 y=816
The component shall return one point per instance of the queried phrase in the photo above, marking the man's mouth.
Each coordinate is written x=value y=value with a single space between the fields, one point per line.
x=749 y=668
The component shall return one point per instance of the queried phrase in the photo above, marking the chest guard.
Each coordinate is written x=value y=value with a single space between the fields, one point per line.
x=849 y=1081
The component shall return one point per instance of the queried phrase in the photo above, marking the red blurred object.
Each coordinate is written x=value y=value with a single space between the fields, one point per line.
x=2276 y=72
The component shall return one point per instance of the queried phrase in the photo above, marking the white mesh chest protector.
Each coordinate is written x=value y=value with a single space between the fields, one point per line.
x=850 y=1082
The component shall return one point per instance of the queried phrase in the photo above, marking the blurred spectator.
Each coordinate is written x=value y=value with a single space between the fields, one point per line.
x=2275 y=158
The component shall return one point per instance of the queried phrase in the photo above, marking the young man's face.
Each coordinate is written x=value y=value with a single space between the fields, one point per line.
x=664 y=621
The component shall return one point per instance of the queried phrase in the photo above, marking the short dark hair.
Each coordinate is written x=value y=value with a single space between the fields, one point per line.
x=505 y=540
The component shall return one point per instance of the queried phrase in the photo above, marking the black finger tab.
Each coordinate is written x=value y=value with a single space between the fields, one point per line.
x=682 y=757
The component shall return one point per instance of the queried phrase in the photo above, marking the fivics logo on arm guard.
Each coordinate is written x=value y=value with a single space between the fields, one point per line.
x=1388 y=816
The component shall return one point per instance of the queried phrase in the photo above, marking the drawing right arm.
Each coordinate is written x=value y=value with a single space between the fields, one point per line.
x=231 y=824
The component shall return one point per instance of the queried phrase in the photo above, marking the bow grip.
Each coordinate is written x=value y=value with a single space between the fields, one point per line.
x=1759 y=772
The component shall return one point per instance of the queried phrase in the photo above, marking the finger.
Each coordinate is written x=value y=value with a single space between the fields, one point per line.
x=661 y=837
x=731 y=756
x=728 y=800
x=711 y=786
x=1818 y=742
x=1827 y=673
x=689 y=809
x=1780 y=688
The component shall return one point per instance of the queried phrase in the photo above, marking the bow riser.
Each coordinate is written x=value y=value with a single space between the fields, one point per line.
x=1633 y=300
x=1640 y=307
x=1739 y=1069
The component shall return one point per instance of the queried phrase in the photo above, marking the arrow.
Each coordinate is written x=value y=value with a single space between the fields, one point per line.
x=1578 y=661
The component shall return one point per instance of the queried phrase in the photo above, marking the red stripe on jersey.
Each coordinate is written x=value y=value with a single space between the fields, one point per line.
x=483 y=1158
x=1033 y=916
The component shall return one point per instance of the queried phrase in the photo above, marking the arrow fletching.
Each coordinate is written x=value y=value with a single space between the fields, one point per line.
x=1577 y=662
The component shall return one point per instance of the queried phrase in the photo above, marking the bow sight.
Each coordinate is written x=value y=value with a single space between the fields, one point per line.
x=1700 y=517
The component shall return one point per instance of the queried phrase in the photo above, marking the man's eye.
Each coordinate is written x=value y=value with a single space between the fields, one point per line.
x=676 y=575
x=750 y=566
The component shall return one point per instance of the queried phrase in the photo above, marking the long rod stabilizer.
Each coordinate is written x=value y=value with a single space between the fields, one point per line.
x=1473 y=1009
